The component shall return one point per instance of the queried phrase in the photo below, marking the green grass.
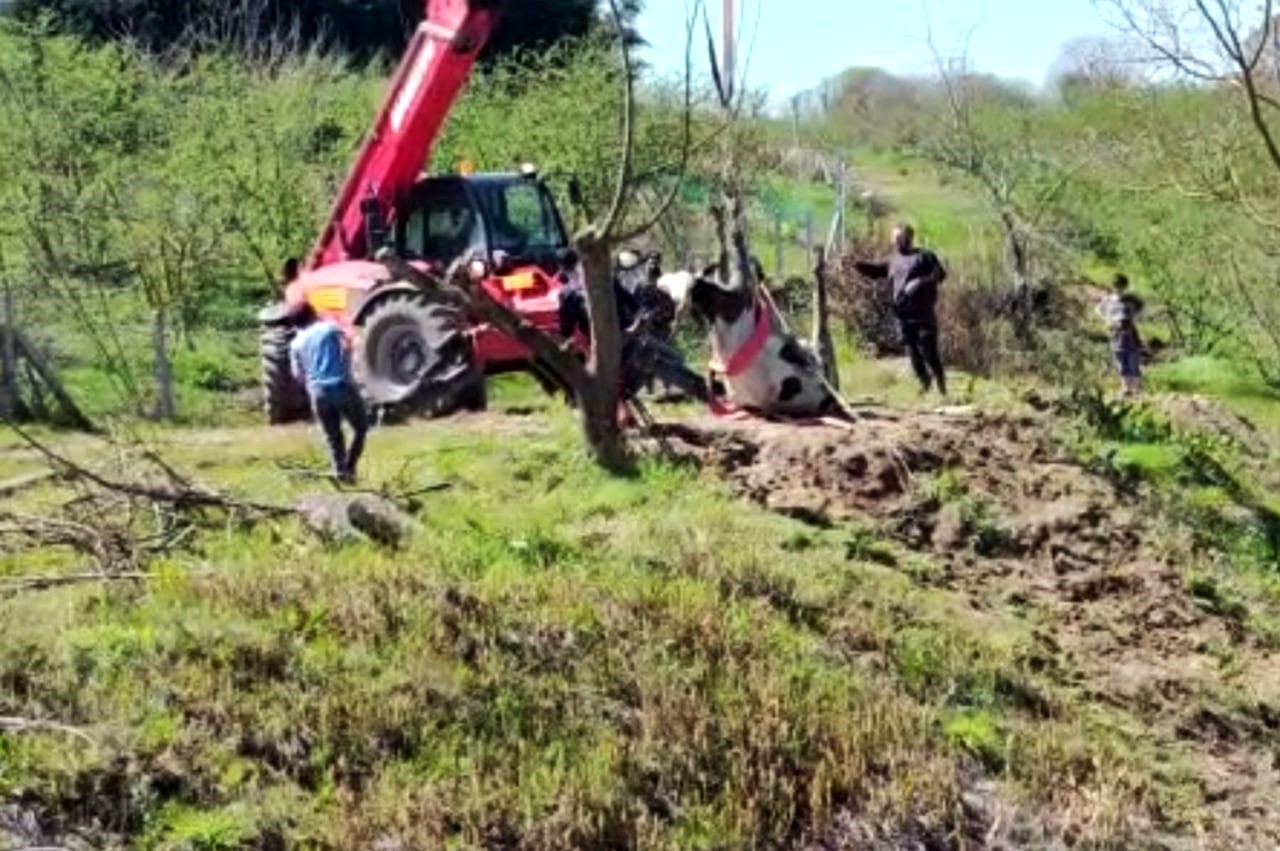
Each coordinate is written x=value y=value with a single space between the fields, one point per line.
x=561 y=657
x=1236 y=385
x=947 y=216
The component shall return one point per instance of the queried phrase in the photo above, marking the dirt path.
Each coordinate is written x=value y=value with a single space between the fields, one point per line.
x=1017 y=526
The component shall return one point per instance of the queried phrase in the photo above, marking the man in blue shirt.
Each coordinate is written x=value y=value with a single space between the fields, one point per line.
x=318 y=355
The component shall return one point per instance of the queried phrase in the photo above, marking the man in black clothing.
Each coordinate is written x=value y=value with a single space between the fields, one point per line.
x=574 y=316
x=914 y=274
x=654 y=301
x=645 y=357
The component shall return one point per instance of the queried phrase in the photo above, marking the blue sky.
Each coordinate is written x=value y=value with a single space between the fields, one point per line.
x=798 y=43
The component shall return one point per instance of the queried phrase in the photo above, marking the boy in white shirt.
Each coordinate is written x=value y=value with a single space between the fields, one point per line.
x=1120 y=310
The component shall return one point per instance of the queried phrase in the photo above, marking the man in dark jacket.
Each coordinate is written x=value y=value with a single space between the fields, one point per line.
x=914 y=274
x=644 y=356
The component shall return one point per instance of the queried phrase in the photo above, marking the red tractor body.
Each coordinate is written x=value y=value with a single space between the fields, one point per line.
x=411 y=351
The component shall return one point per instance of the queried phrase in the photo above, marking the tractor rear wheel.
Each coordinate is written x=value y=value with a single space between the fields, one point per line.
x=284 y=399
x=414 y=358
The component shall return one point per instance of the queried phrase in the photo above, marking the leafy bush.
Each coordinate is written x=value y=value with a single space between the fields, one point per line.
x=363 y=29
x=130 y=186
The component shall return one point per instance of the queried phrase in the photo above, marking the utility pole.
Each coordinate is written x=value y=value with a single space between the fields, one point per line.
x=729 y=60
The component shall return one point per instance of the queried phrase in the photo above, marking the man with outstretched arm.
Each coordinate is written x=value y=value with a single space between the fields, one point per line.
x=318 y=355
x=914 y=274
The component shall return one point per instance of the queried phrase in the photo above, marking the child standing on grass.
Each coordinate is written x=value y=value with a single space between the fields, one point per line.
x=1120 y=310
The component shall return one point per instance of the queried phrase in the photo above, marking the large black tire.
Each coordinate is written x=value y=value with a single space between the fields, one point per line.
x=414 y=358
x=283 y=398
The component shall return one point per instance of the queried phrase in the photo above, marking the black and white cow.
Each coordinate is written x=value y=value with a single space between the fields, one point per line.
x=762 y=366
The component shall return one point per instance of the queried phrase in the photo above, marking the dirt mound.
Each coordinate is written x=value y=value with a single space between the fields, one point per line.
x=1014 y=524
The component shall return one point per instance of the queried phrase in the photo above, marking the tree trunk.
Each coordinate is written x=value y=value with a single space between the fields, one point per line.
x=8 y=357
x=599 y=404
x=1017 y=248
x=165 y=406
x=743 y=269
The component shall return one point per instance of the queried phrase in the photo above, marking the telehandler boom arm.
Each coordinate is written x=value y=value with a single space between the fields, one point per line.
x=429 y=79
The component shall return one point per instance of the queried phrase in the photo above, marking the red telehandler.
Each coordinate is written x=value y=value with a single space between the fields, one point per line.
x=414 y=352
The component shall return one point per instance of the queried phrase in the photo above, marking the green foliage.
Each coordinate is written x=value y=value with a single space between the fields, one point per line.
x=129 y=186
x=630 y=663
x=362 y=29
x=978 y=732
x=1197 y=475
x=561 y=110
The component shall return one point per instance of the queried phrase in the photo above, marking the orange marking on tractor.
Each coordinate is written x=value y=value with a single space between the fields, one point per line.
x=519 y=282
x=328 y=299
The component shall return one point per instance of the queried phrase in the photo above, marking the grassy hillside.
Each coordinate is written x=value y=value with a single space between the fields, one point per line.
x=561 y=659
x=1040 y=619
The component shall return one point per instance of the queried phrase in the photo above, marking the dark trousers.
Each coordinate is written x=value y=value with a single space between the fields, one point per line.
x=920 y=335
x=332 y=405
x=646 y=359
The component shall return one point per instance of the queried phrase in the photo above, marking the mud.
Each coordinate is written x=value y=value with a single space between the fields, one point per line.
x=1015 y=526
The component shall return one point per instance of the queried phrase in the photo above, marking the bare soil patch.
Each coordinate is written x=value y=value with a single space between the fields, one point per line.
x=1015 y=525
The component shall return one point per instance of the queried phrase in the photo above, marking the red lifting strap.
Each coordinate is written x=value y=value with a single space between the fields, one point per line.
x=741 y=360
x=751 y=349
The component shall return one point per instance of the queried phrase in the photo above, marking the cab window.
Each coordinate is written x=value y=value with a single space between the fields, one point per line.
x=444 y=226
x=523 y=221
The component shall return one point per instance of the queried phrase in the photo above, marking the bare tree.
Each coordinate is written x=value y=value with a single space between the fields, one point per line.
x=1095 y=62
x=1219 y=42
x=1007 y=166
x=1228 y=47
x=595 y=382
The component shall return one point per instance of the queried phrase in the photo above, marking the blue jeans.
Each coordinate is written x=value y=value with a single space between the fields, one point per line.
x=332 y=405
x=1129 y=362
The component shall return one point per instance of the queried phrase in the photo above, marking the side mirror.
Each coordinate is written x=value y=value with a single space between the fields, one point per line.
x=575 y=192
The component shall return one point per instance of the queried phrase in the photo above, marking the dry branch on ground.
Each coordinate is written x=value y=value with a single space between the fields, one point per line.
x=120 y=524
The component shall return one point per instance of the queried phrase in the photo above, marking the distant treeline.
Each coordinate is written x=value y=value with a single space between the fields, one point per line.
x=361 y=29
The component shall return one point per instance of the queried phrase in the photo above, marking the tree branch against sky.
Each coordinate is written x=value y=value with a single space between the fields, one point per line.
x=1221 y=42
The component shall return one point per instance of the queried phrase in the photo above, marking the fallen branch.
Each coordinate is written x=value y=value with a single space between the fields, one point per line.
x=566 y=369
x=112 y=546
x=15 y=725
x=17 y=484
x=181 y=494
x=23 y=584
x=402 y=496
x=103 y=523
